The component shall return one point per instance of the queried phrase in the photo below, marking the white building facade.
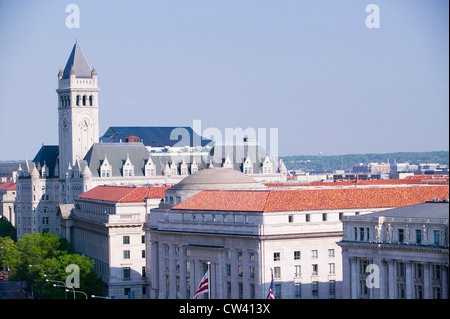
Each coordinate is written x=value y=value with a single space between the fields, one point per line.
x=246 y=232
x=106 y=224
x=397 y=254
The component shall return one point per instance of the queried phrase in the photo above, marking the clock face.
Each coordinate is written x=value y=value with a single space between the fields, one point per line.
x=85 y=122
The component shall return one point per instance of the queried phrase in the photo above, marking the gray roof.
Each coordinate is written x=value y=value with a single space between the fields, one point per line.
x=116 y=154
x=238 y=153
x=438 y=210
x=78 y=61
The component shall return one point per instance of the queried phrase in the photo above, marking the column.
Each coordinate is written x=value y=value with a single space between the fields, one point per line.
x=427 y=293
x=409 y=282
x=444 y=281
x=391 y=279
x=154 y=261
x=353 y=278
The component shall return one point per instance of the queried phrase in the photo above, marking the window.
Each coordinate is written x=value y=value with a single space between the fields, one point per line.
x=401 y=236
x=240 y=271
x=126 y=272
x=298 y=290
x=361 y=233
x=400 y=269
x=314 y=254
x=331 y=253
x=307 y=218
x=252 y=272
x=239 y=255
x=277 y=291
x=228 y=290
x=418 y=236
x=276 y=272
x=126 y=240
x=324 y=217
x=297 y=255
x=315 y=289
x=143 y=253
x=84 y=100
x=143 y=271
x=332 y=289
x=437 y=237
x=45 y=220
x=290 y=218
x=143 y=239
x=91 y=99
x=341 y=215
x=418 y=270
x=276 y=256
x=241 y=290
x=315 y=269
x=126 y=254
x=331 y=269
x=297 y=271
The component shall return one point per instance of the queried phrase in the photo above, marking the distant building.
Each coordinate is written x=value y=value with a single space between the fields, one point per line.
x=400 y=253
x=7 y=199
x=244 y=230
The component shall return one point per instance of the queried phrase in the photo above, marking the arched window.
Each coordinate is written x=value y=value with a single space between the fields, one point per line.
x=84 y=100
x=78 y=100
x=68 y=100
x=91 y=100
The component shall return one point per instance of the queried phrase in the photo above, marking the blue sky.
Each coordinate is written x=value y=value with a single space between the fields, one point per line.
x=311 y=69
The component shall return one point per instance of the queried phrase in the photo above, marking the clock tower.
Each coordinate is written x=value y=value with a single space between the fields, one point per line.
x=78 y=126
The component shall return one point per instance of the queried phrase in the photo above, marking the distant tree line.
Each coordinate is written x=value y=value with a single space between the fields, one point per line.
x=329 y=163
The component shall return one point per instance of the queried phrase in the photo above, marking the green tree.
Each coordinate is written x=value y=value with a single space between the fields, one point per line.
x=6 y=245
x=7 y=229
x=40 y=260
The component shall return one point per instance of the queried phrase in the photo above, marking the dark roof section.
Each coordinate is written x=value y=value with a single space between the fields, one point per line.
x=156 y=136
x=78 y=61
x=48 y=154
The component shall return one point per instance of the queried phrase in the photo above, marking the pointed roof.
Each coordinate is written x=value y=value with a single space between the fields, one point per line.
x=78 y=62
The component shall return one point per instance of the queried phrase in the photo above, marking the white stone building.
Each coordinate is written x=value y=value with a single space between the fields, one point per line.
x=122 y=156
x=106 y=224
x=7 y=199
x=246 y=231
x=400 y=253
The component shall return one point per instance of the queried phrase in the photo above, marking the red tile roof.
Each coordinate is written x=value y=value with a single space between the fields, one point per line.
x=410 y=180
x=124 y=194
x=9 y=185
x=312 y=199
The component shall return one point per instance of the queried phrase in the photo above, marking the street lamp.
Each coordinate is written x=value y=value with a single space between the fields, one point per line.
x=79 y=292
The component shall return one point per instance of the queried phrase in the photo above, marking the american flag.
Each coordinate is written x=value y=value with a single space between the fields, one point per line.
x=271 y=294
x=203 y=287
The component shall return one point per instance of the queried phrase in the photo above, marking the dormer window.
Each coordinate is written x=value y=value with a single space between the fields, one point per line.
x=194 y=167
x=127 y=168
x=248 y=167
x=105 y=168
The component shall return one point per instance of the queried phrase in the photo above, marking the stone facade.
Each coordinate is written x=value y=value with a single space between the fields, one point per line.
x=398 y=254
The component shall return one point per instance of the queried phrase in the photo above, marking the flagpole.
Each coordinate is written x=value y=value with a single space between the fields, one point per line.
x=209 y=279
